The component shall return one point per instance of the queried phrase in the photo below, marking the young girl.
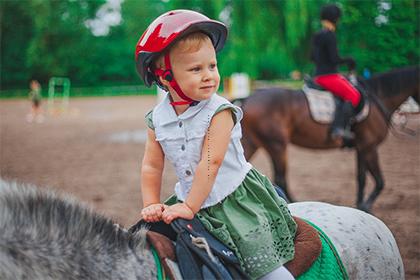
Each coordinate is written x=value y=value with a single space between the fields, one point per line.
x=35 y=97
x=199 y=132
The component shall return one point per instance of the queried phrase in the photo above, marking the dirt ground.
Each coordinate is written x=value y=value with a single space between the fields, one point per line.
x=94 y=152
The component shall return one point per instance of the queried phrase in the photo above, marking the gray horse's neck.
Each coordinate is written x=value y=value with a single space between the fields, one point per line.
x=44 y=236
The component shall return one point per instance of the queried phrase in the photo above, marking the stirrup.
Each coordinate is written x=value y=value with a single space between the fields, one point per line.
x=341 y=133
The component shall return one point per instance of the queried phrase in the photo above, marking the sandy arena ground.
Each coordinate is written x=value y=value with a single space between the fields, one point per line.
x=94 y=152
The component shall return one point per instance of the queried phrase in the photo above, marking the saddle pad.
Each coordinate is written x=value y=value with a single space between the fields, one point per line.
x=322 y=106
x=328 y=266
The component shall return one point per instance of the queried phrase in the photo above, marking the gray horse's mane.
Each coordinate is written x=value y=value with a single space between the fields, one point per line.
x=45 y=235
x=44 y=214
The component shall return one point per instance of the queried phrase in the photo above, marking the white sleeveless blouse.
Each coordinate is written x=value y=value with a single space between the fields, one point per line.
x=182 y=137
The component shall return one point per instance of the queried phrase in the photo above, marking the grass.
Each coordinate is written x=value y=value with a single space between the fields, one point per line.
x=85 y=91
x=130 y=90
x=292 y=84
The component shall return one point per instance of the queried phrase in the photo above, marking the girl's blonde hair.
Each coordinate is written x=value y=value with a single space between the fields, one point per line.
x=190 y=43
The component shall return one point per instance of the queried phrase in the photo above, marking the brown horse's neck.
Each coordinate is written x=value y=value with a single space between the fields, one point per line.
x=394 y=87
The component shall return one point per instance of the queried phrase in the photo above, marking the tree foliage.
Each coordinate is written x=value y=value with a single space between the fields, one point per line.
x=267 y=39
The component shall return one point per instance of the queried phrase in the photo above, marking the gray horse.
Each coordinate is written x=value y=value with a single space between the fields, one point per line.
x=45 y=236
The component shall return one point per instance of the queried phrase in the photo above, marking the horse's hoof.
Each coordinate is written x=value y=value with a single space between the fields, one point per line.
x=364 y=207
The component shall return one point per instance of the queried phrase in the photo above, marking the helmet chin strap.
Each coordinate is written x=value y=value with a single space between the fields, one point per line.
x=169 y=77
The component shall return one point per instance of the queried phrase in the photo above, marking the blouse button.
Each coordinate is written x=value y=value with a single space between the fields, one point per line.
x=180 y=124
x=183 y=147
x=188 y=173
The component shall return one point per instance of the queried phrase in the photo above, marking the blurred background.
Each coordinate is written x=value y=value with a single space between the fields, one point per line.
x=92 y=41
x=87 y=137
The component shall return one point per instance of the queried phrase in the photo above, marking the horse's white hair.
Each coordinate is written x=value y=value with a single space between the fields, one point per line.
x=366 y=246
x=47 y=236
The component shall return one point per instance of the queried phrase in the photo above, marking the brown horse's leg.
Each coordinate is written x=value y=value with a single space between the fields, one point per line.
x=361 y=179
x=278 y=154
x=249 y=147
x=372 y=163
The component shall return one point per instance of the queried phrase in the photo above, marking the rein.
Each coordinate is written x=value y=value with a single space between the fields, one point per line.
x=386 y=114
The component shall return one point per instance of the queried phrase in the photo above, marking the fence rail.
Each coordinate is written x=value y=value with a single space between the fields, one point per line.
x=86 y=91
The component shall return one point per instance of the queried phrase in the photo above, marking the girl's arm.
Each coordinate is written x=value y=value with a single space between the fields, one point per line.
x=215 y=145
x=151 y=178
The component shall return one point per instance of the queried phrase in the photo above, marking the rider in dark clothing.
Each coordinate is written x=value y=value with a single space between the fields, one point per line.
x=326 y=57
x=325 y=53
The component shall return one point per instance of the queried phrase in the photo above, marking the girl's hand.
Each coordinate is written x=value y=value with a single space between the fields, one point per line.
x=153 y=212
x=179 y=210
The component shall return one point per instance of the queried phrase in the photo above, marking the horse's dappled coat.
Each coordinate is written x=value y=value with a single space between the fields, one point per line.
x=366 y=246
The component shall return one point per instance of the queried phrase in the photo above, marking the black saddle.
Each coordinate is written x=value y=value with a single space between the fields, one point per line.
x=310 y=83
x=199 y=254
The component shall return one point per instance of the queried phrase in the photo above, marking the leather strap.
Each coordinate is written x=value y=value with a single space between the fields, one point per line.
x=169 y=76
x=308 y=247
x=165 y=250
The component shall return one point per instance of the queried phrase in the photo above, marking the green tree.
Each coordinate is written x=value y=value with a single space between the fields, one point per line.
x=16 y=31
x=381 y=34
x=267 y=39
x=41 y=39
x=61 y=40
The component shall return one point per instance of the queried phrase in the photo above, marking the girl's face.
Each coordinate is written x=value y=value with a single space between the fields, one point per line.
x=196 y=71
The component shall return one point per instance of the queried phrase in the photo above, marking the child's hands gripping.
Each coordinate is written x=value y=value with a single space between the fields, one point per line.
x=179 y=210
x=153 y=212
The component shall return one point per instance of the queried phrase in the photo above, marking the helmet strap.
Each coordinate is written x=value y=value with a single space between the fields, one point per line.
x=168 y=76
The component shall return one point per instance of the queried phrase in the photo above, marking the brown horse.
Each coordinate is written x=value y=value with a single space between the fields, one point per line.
x=275 y=117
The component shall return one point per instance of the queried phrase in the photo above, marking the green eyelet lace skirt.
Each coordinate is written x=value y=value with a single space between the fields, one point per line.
x=255 y=223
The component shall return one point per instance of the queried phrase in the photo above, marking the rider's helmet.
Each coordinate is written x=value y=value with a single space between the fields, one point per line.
x=165 y=30
x=330 y=12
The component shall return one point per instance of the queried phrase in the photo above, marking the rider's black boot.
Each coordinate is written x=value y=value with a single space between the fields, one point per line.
x=340 y=128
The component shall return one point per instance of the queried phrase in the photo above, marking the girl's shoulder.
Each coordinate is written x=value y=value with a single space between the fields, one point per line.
x=220 y=103
x=217 y=100
x=148 y=118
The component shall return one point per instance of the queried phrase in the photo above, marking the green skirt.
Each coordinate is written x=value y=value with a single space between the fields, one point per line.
x=255 y=223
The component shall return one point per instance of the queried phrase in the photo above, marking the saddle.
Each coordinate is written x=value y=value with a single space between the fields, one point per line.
x=212 y=259
x=322 y=103
x=187 y=251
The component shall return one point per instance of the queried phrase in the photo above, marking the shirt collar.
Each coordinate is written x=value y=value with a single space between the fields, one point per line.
x=170 y=116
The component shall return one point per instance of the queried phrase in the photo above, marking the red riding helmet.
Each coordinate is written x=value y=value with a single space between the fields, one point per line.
x=164 y=31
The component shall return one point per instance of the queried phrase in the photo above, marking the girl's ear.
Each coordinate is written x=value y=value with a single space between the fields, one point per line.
x=163 y=81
